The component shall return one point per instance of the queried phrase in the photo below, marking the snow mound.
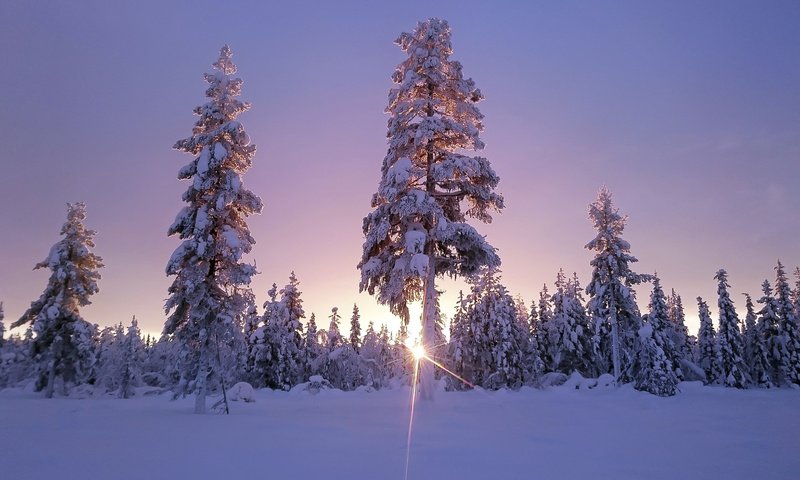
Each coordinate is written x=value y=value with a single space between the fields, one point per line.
x=314 y=385
x=242 y=391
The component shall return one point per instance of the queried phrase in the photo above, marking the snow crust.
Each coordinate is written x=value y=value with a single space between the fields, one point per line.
x=560 y=432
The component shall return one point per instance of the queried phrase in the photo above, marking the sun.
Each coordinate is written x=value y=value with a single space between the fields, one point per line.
x=418 y=351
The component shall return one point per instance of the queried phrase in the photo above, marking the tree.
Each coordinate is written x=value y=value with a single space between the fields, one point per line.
x=542 y=331
x=706 y=343
x=355 y=329
x=211 y=291
x=63 y=347
x=313 y=349
x=284 y=359
x=494 y=352
x=417 y=230
x=569 y=342
x=2 y=325
x=757 y=354
x=730 y=349
x=130 y=369
x=663 y=332
x=790 y=330
x=612 y=301
x=677 y=326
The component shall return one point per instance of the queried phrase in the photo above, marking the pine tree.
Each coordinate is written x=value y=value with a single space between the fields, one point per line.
x=130 y=369
x=542 y=332
x=63 y=347
x=355 y=329
x=677 y=326
x=210 y=294
x=790 y=330
x=417 y=230
x=612 y=302
x=730 y=349
x=568 y=331
x=796 y=294
x=756 y=352
x=284 y=365
x=313 y=349
x=707 y=343
x=2 y=326
x=652 y=370
x=335 y=339
x=663 y=332
x=494 y=351
x=769 y=324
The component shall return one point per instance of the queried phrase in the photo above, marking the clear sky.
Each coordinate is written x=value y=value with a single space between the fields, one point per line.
x=688 y=111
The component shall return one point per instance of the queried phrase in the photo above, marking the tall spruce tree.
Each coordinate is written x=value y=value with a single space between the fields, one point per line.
x=612 y=301
x=569 y=339
x=542 y=332
x=663 y=332
x=210 y=294
x=677 y=326
x=417 y=230
x=730 y=348
x=63 y=346
x=706 y=355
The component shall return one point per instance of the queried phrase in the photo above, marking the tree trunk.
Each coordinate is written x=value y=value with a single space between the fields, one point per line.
x=426 y=378
x=201 y=383
x=614 y=337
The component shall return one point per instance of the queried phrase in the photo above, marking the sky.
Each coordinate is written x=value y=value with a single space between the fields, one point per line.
x=688 y=111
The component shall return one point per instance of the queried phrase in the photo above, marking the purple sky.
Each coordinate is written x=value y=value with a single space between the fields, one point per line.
x=688 y=111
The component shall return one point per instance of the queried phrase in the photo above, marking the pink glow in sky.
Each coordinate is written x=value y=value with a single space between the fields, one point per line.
x=689 y=112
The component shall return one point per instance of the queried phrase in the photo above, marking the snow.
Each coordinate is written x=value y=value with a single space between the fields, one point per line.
x=560 y=432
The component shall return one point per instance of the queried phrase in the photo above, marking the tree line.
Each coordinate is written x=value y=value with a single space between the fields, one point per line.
x=417 y=231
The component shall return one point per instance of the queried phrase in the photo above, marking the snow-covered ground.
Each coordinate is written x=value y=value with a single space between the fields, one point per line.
x=563 y=433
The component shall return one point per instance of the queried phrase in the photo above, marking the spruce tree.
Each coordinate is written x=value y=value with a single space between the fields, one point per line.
x=2 y=326
x=429 y=187
x=569 y=340
x=210 y=294
x=730 y=349
x=542 y=332
x=756 y=352
x=612 y=301
x=706 y=356
x=130 y=368
x=663 y=333
x=677 y=326
x=778 y=358
x=285 y=364
x=790 y=330
x=355 y=329
x=495 y=352
x=63 y=346
x=313 y=349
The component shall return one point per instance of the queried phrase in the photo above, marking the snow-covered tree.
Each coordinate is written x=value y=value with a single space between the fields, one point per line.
x=730 y=348
x=757 y=354
x=63 y=346
x=662 y=328
x=545 y=314
x=706 y=355
x=494 y=353
x=355 y=329
x=569 y=341
x=612 y=301
x=790 y=330
x=130 y=368
x=313 y=349
x=335 y=339
x=677 y=326
x=284 y=360
x=211 y=291
x=429 y=187
x=652 y=370
x=2 y=325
